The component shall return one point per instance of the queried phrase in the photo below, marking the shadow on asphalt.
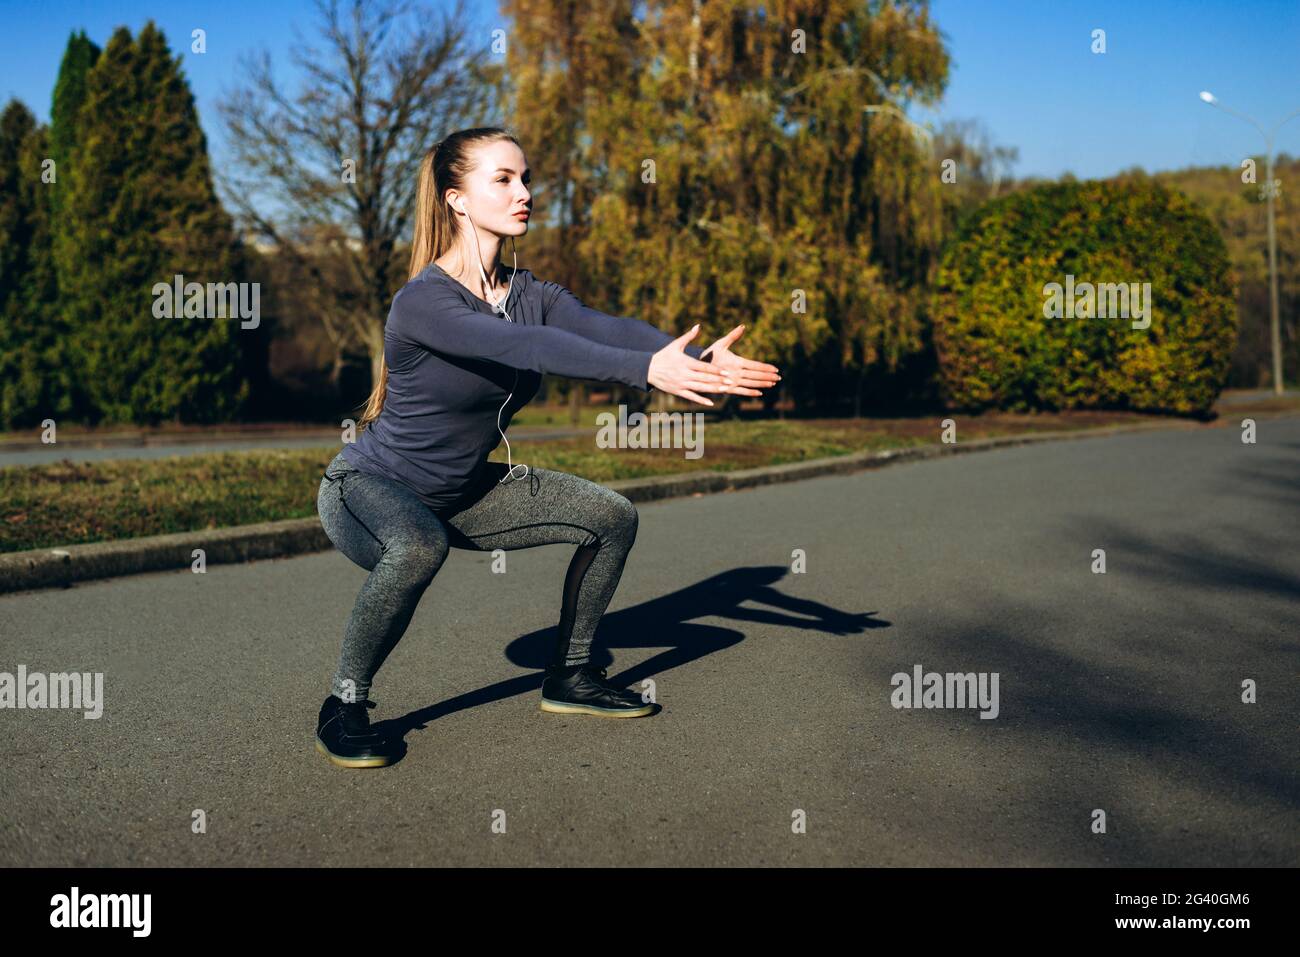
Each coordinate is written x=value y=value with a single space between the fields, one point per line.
x=1153 y=709
x=664 y=622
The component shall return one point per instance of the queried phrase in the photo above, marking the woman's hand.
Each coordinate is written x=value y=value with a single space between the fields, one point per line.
x=746 y=375
x=672 y=370
x=675 y=372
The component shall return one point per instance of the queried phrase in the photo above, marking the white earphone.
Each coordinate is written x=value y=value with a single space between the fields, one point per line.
x=499 y=307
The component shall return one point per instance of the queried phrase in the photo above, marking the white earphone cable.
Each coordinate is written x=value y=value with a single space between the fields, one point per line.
x=500 y=307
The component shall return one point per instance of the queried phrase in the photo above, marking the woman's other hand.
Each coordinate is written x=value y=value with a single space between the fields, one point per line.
x=675 y=372
x=747 y=376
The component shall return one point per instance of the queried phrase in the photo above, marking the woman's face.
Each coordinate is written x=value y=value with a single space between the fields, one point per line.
x=496 y=191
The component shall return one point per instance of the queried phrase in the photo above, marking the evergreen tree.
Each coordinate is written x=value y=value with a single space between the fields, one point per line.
x=34 y=381
x=65 y=109
x=141 y=209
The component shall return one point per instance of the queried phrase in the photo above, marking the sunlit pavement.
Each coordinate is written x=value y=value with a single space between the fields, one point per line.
x=1118 y=692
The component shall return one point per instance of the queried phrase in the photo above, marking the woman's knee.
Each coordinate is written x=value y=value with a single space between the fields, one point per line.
x=415 y=559
x=621 y=518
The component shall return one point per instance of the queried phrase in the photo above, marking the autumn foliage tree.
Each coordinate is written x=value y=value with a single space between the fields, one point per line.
x=721 y=169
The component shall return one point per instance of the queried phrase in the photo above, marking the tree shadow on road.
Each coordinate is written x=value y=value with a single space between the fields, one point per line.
x=666 y=622
x=1140 y=711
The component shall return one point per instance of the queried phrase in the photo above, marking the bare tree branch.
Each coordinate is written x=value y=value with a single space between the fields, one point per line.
x=385 y=81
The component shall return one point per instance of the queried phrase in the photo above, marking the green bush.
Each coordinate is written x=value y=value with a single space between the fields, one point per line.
x=998 y=347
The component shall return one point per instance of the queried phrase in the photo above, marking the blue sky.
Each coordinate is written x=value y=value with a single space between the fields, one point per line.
x=1024 y=68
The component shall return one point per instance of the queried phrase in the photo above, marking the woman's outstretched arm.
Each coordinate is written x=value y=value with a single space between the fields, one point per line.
x=563 y=310
x=432 y=315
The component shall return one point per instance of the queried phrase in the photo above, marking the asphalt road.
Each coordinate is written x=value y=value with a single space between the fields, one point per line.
x=1118 y=691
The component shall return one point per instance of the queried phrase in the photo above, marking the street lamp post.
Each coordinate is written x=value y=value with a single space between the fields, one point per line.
x=1274 y=322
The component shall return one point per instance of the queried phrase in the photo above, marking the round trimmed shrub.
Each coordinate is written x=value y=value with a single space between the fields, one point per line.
x=1007 y=338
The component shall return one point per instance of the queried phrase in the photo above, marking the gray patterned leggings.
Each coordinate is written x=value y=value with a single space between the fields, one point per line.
x=383 y=526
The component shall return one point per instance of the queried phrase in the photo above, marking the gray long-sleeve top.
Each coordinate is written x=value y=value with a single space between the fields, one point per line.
x=452 y=361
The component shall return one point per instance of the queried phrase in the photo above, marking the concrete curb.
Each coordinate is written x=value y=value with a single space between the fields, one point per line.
x=45 y=567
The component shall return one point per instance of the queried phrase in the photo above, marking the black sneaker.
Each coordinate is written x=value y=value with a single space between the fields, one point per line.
x=584 y=690
x=344 y=735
